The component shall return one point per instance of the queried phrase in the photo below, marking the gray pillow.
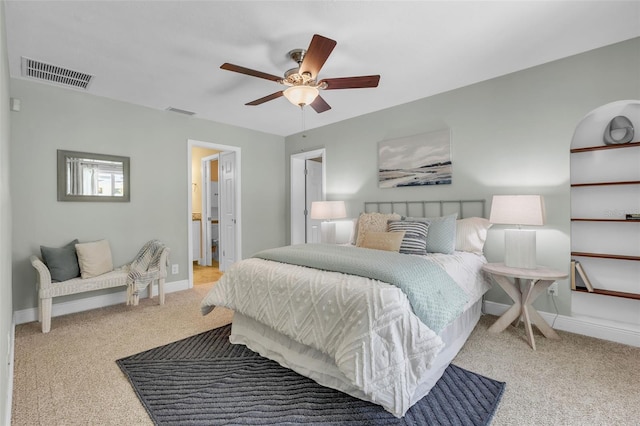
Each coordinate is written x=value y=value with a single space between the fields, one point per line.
x=62 y=262
x=441 y=237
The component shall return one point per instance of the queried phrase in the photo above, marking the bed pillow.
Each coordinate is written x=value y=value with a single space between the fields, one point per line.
x=415 y=237
x=389 y=241
x=373 y=222
x=94 y=258
x=62 y=262
x=442 y=233
x=471 y=233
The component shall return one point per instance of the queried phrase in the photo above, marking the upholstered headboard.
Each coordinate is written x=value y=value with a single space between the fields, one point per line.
x=464 y=208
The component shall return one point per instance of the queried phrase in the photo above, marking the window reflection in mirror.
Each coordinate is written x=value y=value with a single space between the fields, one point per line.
x=85 y=176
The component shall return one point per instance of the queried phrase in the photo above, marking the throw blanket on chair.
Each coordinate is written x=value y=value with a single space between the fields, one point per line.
x=144 y=269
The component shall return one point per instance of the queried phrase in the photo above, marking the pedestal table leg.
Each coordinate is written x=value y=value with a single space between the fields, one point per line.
x=513 y=313
x=534 y=289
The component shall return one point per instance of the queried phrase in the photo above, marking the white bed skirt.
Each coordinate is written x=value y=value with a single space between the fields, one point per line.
x=318 y=366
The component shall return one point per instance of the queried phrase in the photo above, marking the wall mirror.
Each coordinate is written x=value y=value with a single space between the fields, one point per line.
x=84 y=176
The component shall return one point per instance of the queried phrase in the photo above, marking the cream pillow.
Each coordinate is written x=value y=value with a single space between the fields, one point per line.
x=471 y=233
x=373 y=222
x=389 y=241
x=94 y=258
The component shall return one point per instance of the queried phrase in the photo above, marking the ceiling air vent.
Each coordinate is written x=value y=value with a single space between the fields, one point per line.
x=180 y=111
x=55 y=74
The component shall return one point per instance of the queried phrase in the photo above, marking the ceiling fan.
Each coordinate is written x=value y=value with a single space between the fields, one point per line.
x=303 y=86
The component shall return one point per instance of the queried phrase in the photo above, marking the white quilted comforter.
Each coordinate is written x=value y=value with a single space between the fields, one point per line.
x=366 y=326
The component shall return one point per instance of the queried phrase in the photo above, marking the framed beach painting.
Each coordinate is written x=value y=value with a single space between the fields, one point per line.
x=417 y=160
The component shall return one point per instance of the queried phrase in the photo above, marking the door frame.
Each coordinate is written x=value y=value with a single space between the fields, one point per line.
x=191 y=143
x=296 y=191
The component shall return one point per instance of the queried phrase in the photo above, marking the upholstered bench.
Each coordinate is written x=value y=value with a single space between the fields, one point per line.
x=119 y=277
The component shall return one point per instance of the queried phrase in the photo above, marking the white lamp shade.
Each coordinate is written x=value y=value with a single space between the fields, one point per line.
x=327 y=210
x=301 y=95
x=517 y=210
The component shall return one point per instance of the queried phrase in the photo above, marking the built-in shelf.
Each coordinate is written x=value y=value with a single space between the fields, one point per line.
x=628 y=182
x=581 y=219
x=610 y=293
x=584 y=174
x=605 y=147
x=604 y=255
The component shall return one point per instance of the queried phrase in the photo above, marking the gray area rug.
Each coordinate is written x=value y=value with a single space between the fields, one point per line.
x=205 y=380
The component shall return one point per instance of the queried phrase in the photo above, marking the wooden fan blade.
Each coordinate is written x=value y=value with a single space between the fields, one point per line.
x=317 y=54
x=319 y=105
x=265 y=99
x=248 y=71
x=351 y=82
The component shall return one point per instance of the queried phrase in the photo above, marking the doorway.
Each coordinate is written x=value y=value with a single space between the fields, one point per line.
x=307 y=185
x=214 y=194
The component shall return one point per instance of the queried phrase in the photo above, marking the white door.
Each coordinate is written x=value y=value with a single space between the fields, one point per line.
x=298 y=201
x=209 y=205
x=226 y=187
x=304 y=190
x=313 y=183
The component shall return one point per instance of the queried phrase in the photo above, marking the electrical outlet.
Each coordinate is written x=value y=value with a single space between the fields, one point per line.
x=552 y=290
x=174 y=268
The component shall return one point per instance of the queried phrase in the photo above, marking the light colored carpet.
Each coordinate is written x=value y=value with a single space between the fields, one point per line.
x=69 y=376
x=577 y=380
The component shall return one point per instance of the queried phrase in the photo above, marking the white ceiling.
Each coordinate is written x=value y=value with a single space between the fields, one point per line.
x=168 y=53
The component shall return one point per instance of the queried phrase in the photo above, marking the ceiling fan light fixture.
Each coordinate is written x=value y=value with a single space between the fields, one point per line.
x=303 y=87
x=301 y=95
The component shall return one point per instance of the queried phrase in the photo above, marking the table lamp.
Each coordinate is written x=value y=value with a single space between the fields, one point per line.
x=327 y=211
x=519 y=244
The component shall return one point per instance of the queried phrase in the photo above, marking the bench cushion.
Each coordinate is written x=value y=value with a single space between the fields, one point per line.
x=114 y=278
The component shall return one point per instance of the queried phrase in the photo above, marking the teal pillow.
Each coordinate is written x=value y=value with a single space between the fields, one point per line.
x=441 y=237
x=62 y=262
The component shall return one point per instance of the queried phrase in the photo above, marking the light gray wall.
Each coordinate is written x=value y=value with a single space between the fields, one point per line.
x=510 y=135
x=156 y=141
x=6 y=309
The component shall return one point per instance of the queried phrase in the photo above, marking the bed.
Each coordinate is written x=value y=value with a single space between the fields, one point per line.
x=379 y=318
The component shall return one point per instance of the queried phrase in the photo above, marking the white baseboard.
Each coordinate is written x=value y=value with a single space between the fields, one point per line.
x=9 y=401
x=628 y=334
x=92 y=302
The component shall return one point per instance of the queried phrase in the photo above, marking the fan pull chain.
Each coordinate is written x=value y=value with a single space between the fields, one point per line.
x=302 y=117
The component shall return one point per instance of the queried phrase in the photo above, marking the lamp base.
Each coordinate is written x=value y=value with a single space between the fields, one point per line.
x=328 y=232
x=520 y=248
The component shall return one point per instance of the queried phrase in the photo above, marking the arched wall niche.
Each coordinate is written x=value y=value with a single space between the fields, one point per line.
x=590 y=130
x=598 y=212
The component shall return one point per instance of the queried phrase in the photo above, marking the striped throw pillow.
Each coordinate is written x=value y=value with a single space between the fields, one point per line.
x=415 y=235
